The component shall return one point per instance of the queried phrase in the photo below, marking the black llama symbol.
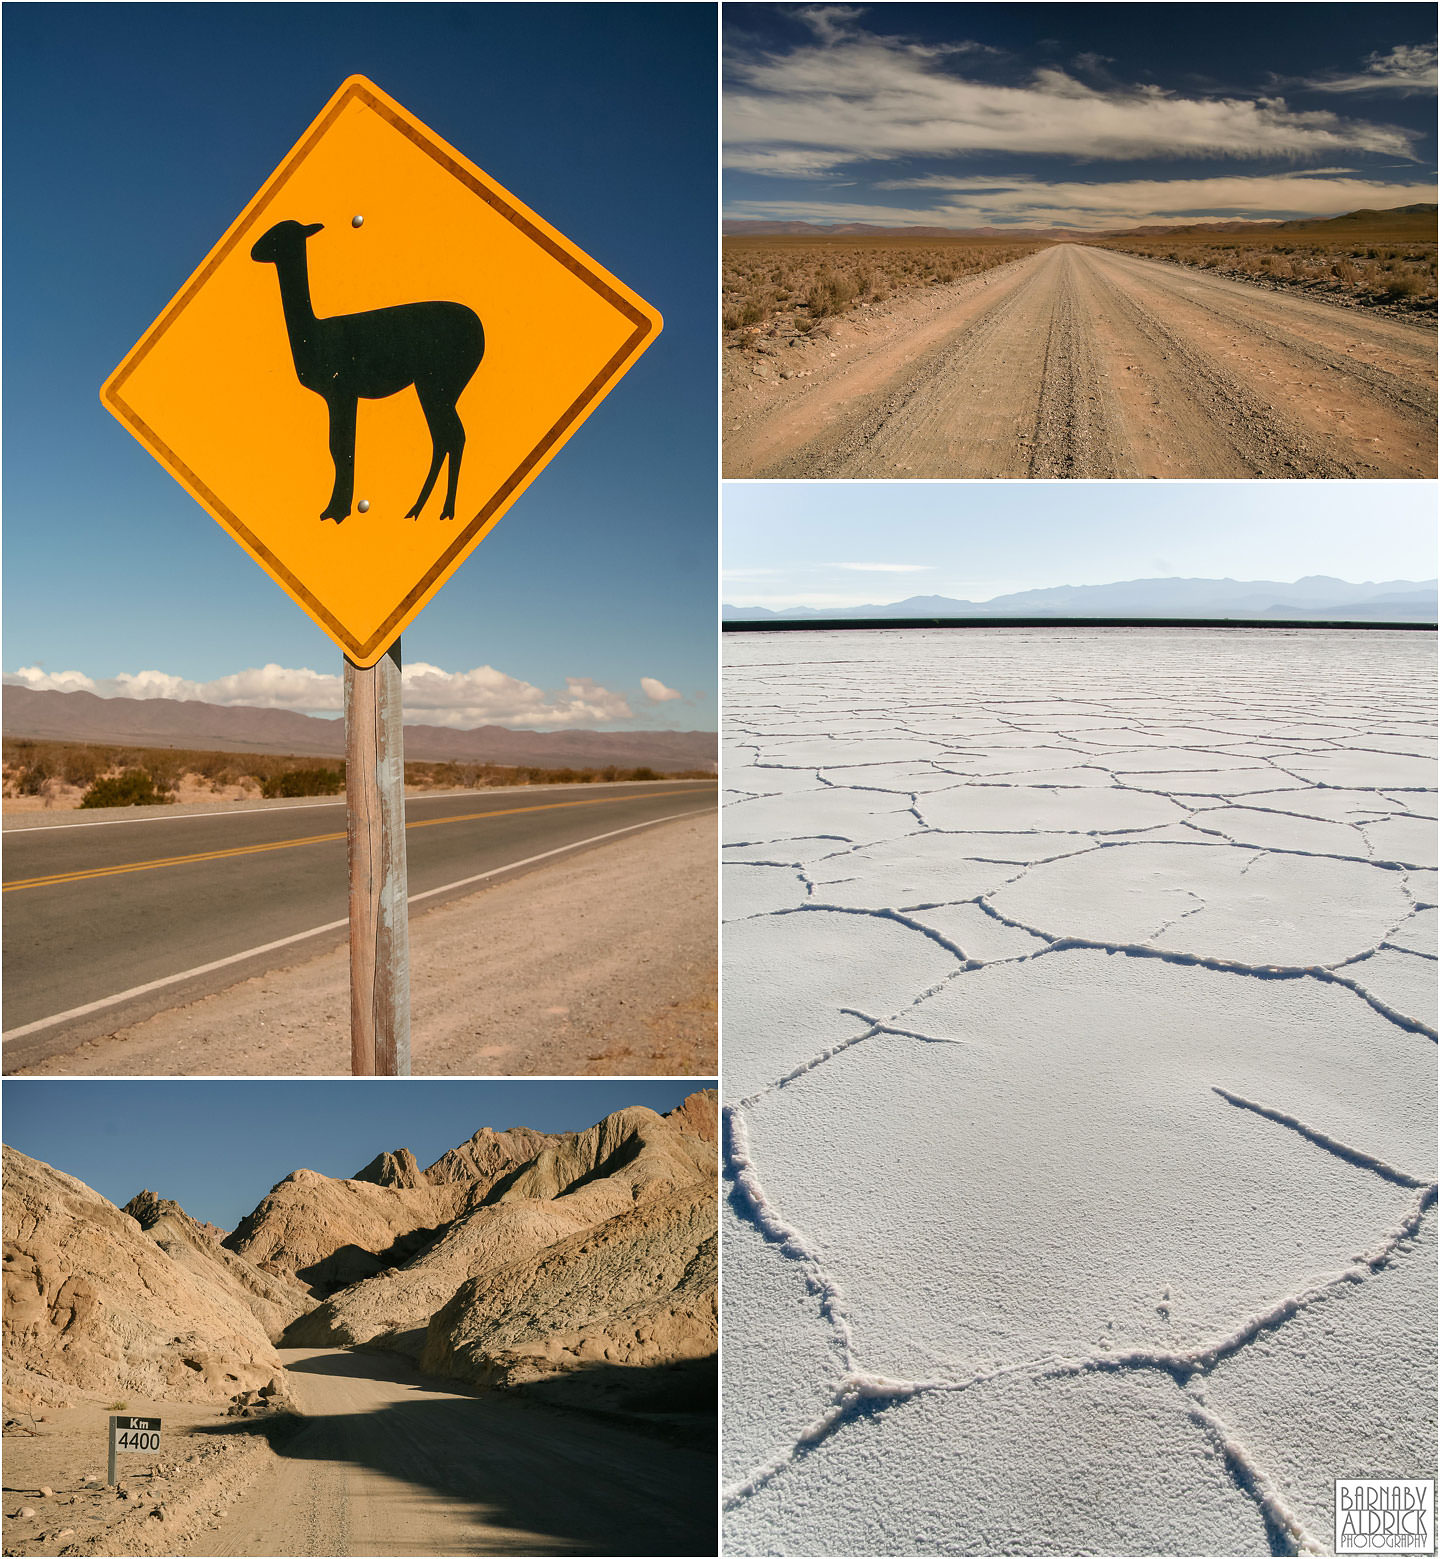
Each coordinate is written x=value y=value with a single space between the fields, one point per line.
x=435 y=346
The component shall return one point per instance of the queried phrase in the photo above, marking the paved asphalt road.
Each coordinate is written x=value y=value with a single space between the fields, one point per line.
x=91 y=911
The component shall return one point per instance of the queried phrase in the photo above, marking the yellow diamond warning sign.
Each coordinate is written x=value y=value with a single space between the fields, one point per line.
x=372 y=364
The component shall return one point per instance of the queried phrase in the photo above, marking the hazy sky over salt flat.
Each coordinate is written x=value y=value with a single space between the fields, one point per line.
x=856 y=543
x=1076 y=116
x=133 y=136
x=218 y=1147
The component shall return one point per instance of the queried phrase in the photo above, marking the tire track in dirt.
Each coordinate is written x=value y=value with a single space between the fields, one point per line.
x=1319 y=332
x=1189 y=407
x=964 y=400
x=1092 y=364
x=1078 y=416
x=1376 y=392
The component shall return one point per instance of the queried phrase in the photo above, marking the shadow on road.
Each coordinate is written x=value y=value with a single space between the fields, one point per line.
x=377 y=1364
x=612 y=1461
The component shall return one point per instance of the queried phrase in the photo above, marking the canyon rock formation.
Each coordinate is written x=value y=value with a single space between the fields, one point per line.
x=95 y=1305
x=516 y=1257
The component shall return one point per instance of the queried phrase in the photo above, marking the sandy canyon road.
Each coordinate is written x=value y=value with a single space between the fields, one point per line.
x=95 y=911
x=1081 y=362
x=395 y=1462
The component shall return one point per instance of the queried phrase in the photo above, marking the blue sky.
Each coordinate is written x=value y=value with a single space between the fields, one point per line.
x=1076 y=116
x=133 y=136
x=217 y=1148
x=860 y=543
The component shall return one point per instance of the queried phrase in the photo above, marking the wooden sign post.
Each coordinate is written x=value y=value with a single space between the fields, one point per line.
x=378 y=300
x=375 y=833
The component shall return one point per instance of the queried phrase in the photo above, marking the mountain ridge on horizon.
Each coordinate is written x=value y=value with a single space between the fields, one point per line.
x=1314 y=595
x=50 y=715
x=740 y=227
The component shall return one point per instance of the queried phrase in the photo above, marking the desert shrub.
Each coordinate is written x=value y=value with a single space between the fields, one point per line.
x=137 y=776
x=166 y=769
x=1349 y=266
x=129 y=788
x=790 y=283
x=30 y=780
x=1402 y=286
x=303 y=782
x=831 y=293
x=84 y=765
x=448 y=775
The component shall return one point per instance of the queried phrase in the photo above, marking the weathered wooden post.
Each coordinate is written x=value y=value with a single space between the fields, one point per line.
x=375 y=834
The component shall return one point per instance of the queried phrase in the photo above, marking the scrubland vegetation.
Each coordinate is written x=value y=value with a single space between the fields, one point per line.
x=1381 y=267
x=73 y=773
x=794 y=285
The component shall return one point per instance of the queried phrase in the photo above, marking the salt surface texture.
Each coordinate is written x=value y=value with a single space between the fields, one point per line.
x=1080 y=1062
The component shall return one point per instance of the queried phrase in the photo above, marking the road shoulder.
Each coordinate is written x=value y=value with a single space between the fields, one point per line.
x=55 y=1468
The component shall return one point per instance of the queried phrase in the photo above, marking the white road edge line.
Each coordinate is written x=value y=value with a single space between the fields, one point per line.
x=300 y=936
x=310 y=806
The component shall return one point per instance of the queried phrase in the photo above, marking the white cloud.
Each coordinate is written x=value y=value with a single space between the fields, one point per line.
x=433 y=696
x=779 y=602
x=786 y=162
x=854 y=98
x=657 y=692
x=265 y=687
x=1408 y=68
x=991 y=200
x=886 y=568
x=56 y=681
x=485 y=696
x=830 y=22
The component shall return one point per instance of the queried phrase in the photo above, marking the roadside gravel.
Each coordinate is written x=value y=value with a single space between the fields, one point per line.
x=55 y=1469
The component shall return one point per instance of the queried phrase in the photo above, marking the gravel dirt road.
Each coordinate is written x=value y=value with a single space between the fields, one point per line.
x=1080 y=362
x=394 y=1462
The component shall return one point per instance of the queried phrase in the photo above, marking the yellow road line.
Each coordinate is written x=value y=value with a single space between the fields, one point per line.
x=289 y=844
x=168 y=860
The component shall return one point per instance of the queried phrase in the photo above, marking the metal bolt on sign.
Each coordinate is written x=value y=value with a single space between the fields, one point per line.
x=463 y=336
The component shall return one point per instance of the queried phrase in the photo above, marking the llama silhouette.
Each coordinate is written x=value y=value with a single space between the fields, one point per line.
x=435 y=346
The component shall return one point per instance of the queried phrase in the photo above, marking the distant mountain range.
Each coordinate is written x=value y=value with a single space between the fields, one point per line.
x=173 y=722
x=737 y=227
x=1316 y=597
x=1419 y=218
